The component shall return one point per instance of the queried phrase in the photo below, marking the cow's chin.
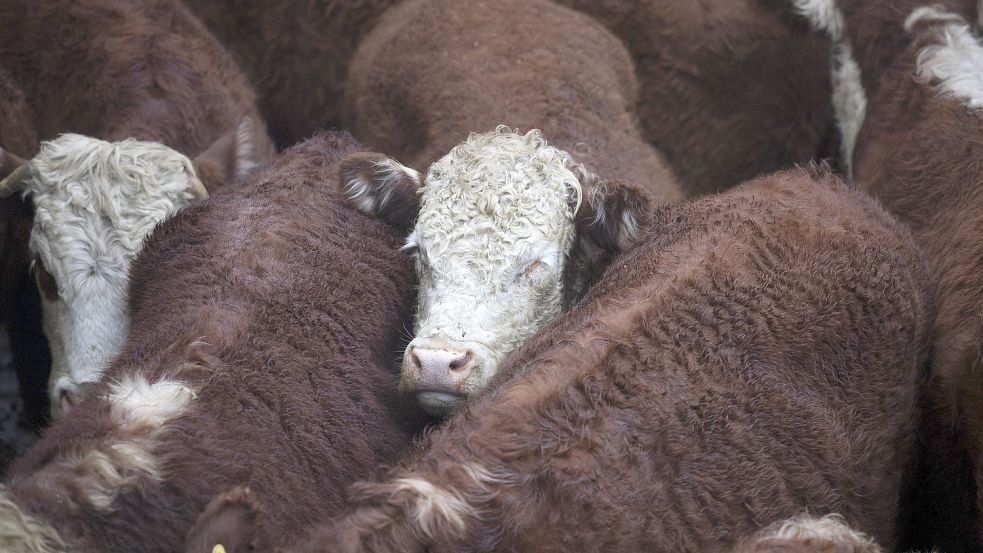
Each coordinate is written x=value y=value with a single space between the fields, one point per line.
x=439 y=404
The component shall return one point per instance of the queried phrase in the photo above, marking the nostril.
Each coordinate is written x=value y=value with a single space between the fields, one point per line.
x=461 y=362
x=415 y=358
x=66 y=399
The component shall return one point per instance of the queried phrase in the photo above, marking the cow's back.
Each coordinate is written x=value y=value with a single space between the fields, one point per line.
x=280 y=309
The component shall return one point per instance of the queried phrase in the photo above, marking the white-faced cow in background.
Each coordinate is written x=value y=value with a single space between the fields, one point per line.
x=510 y=232
x=115 y=70
x=95 y=203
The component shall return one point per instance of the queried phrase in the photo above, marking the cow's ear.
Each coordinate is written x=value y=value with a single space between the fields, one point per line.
x=234 y=154
x=610 y=217
x=231 y=520
x=13 y=173
x=382 y=187
x=612 y=214
x=9 y=161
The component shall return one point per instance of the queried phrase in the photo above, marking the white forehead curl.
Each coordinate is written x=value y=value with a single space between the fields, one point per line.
x=100 y=200
x=494 y=182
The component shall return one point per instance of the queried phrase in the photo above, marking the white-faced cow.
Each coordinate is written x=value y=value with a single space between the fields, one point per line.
x=114 y=70
x=510 y=232
x=756 y=356
x=95 y=202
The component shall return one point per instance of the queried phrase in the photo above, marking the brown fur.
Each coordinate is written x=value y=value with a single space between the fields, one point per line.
x=115 y=69
x=757 y=357
x=920 y=153
x=17 y=134
x=432 y=71
x=281 y=308
x=728 y=89
x=20 y=305
x=295 y=52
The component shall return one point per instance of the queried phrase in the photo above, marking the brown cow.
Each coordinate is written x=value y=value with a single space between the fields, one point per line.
x=295 y=52
x=265 y=328
x=713 y=78
x=113 y=69
x=919 y=151
x=861 y=51
x=728 y=89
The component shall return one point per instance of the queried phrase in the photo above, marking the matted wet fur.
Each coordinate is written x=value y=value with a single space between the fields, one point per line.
x=757 y=356
x=262 y=353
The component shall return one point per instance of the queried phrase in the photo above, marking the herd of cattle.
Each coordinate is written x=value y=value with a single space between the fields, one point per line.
x=577 y=275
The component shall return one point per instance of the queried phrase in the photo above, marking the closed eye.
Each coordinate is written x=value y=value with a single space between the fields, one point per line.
x=46 y=282
x=529 y=269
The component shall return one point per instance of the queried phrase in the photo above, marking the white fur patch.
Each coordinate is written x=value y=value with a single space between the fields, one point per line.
x=931 y=14
x=370 y=196
x=102 y=475
x=95 y=204
x=595 y=197
x=849 y=97
x=484 y=477
x=827 y=533
x=359 y=192
x=138 y=404
x=823 y=15
x=955 y=64
x=432 y=502
x=389 y=172
x=629 y=225
x=849 y=102
x=22 y=533
x=496 y=223
x=126 y=460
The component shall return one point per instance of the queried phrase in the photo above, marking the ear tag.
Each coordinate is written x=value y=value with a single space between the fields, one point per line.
x=219 y=548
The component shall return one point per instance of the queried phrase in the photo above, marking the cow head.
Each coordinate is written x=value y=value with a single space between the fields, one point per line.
x=95 y=202
x=507 y=230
